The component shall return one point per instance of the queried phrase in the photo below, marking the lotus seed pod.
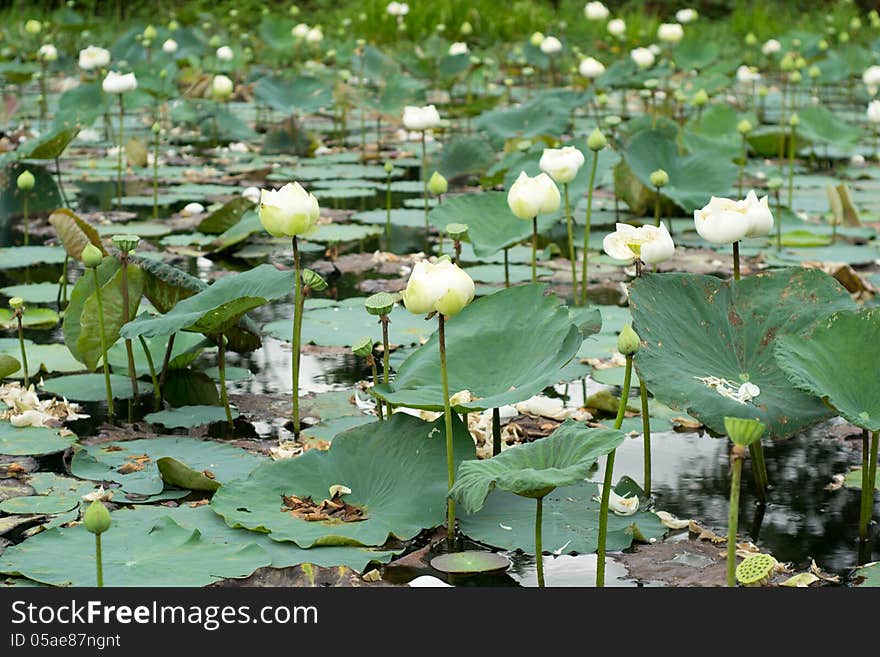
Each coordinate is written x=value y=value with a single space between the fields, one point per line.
x=457 y=231
x=16 y=302
x=97 y=518
x=612 y=120
x=362 y=347
x=744 y=127
x=596 y=141
x=744 y=431
x=379 y=304
x=755 y=570
x=126 y=243
x=659 y=178
x=437 y=185
x=91 y=256
x=25 y=181
x=313 y=280
x=628 y=342
x=700 y=98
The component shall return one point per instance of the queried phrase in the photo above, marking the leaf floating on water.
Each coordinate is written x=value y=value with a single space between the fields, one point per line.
x=801 y=580
x=818 y=572
x=704 y=534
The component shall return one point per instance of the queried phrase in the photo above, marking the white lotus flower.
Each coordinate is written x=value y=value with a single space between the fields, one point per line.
x=647 y=243
x=871 y=76
x=596 y=11
x=315 y=36
x=225 y=54
x=771 y=47
x=300 y=31
x=221 y=87
x=551 y=45
x=252 y=193
x=874 y=111
x=93 y=57
x=119 y=83
x=169 y=46
x=686 y=15
x=458 y=48
x=191 y=209
x=621 y=505
x=616 y=27
x=528 y=197
x=397 y=9
x=670 y=32
x=747 y=74
x=724 y=221
x=562 y=164
x=591 y=68
x=48 y=53
x=443 y=287
x=288 y=211
x=643 y=57
x=420 y=118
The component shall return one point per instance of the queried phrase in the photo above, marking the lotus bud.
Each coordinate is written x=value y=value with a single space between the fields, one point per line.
x=289 y=211
x=774 y=183
x=751 y=39
x=814 y=72
x=313 y=280
x=794 y=120
x=536 y=39
x=156 y=128
x=457 y=231
x=602 y=99
x=91 y=256
x=787 y=62
x=843 y=37
x=33 y=27
x=97 y=518
x=214 y=41
x=466 y=28
x=744 y=431
x=126 y=243
x=437 y=185
x=173 y=25
x=796 y=77
x=763 y=91
x=16 y=302
x=25 y=181
x=800 y=62
x=379 y=304
x=150 y=33
x=659 y=178
x=628 y=342
x=700 y=98
x=596 y=141
x=822 y=45
x=389 y=167
x=744 y=127
x=362 y=347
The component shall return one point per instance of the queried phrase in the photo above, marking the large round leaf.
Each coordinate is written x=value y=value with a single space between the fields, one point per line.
x=502 y=348
x=396 y=471
x=33 y=441
x=532 y=470
x=695 y=327
x=838 y=359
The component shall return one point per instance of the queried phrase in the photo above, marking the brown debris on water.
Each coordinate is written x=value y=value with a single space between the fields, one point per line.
x=334 y=508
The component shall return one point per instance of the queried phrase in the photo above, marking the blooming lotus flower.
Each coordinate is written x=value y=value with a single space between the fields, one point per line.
x=458 y=48
x=443 y=287
x=221 y=87
x=643 y=57
x=169 y=47
x=591 y=68
x=616 y=27
x=871 y=76
x=48 y=53
x=300 y=31
x=551 y=45
x=528 y=197
x=648 y=243
x=561 y=164
x=93 y=57
x=288 y=212
x=725 y=221
x=225 y=54
x=315 y=36
x=771 y=47
x=670 y=32
x=119 y=83
x=420 y=118
x=686 y=15
x=397 y=9
x=596 y=11
x=747 y=74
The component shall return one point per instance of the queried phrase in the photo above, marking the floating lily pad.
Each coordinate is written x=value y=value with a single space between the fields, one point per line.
x=853 y=479
x=470 y=561
x=329 y=233
x=11 y=487
x=13 y=257
x=91 y=388
x=868 y=575
x=694 y=327
x=35 y=318
x=32 y=441
x=32 y=292
x=186 y=417
x=395 y=469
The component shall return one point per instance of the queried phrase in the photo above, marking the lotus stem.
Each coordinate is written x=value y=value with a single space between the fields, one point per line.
x=657 y=207
x=791 y=164
x=119 y=153
x=297 y=332
x=166 y=360
x=24 y=363
x=456 y=245
x=742 y=165
x=371 y=360
x=60 y=183
x=126 y=313
x=736 y=261
x=781 y=141
x=779 y=224
x=106 y=365
x=27 y=227
x=869 y=477
x=587 y=228
x=759 y=470
x=534 y=249
x=506 y=268
x=388 y=211
x=447 y=416
x=425 y=187
x=62 y=284
x=386 y=354
x=156 y=175
x=571 y=251
x=221 y=366
x=363 y=108
x=733 y=515
x=539 y=551
x=646 y=433
x=156 y=389
x=496 y=431
x=43 y=104
x=99 y=562
x=609 y=475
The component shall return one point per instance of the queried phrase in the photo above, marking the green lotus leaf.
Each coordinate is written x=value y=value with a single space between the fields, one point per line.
x=225 y=217
x=563 y=458
x=868 y=575
x=543 y=115
x=88 y=344
x=299 y=94
x=32 y=292
x=75 y=233
x=695 y=327
x=91 y=388
x=396 y=471
x=175 y=473
x=53 y=494
x=36 y=318
x=187 y=417
x=32 y=441
x=479 y=342
x=49 y=145
x=13 y=257
x=838 y=359
x=8 y=365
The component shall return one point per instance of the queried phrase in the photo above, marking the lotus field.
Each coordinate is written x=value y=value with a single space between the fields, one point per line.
x=439 y=294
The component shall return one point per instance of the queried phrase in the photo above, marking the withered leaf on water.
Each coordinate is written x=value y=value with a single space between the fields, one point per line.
x=335 y=508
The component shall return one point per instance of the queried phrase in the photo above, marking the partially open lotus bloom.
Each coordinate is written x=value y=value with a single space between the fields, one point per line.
x=562 y=164
x=458 y=48
x=225 y=54
x=169 y=46
x=686 y=15
x=315 y=36
x=771 y=47
x=528 y=197
x=397 y=9
x=616 y=27
x=670 y=32
x=874 y=111
x=871 y=76
x=596 y=11
x=93 y=57
x=643 y=57
x=747 y=74
x=725 y=221
x=119 y=83
x=288 y=211
x=647 y=243
x=48 y=52
x=443 y=287
x=300 y=30
x=551 y=45
x=621 y=505
x=420 y=118
x=591 y=68
x=221 y=87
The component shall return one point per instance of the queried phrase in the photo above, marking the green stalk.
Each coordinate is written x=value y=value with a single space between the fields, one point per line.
x=372 y=361
x=539 y=551
x=534 y=249
x=386 y=354
x=759 y=469
x=157 y=391
x=156 y=176
x=779 y=225
x=425 y=187
x=646 y=433
x=736 y=261
x=24 y=363
x=447 y=416
x=609 y=474
x=742 y=166
x=119 y=153
x=867 y=495
x=103 y=345
x=781 y=141
x=506 y=269
x=99 y=561
x=297 y=332
x=587 y=229
x=791 y=165
x=571 y=253
x=388 y=211
x=657 y=207
x=221 y=365
x=126 y=313
x=363 y=110
x=60 y=182
x=733 y=517
x=27 y=227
